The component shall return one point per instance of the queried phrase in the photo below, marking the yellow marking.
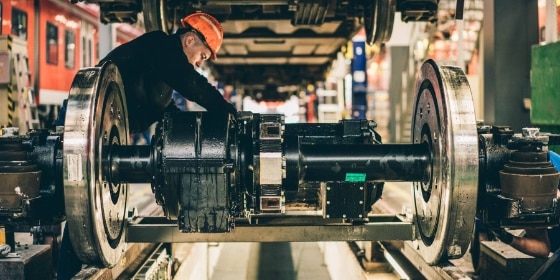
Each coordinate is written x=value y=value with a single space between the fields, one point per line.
x=2 y=235
x=11 y=107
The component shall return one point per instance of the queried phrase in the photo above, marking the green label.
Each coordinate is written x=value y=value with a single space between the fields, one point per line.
x=355 y=177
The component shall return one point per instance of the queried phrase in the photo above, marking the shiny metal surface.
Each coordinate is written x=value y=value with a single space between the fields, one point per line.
x=95 y=207
x=443 y=116
x=96 y=124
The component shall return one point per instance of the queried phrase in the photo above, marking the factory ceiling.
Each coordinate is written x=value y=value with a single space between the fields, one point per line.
x=277 y=42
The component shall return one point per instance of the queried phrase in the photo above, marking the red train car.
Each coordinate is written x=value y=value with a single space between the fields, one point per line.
x=61 y=38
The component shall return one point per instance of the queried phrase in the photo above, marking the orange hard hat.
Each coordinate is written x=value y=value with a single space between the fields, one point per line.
x=207 y=26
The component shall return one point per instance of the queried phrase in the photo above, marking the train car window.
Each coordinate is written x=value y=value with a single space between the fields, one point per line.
x=19 y=23
x=69 y=49
x=52 y=43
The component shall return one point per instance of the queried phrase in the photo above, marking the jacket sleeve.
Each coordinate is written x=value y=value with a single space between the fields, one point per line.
x=165 y=55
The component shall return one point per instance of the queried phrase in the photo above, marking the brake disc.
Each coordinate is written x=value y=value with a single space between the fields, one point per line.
x=445 y=204
x=96 y=119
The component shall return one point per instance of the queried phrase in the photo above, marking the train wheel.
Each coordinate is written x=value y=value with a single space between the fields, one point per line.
x=157 y=16
x=96 y=119
x=445 y=204
x=378 y=20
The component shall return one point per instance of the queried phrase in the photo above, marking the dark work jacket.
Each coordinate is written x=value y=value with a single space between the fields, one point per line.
x=151 y=66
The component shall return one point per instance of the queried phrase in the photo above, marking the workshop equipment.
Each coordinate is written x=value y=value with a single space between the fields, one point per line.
x=258 y=179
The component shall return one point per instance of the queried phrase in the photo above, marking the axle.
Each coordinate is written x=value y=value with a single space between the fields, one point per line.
x=320 y=162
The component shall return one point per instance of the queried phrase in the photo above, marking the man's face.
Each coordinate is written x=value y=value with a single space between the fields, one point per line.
x=195 y=50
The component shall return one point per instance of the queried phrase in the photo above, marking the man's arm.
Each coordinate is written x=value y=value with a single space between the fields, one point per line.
x=534 y=243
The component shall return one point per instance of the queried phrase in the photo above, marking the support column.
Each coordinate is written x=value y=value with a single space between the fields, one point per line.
x=399 y=62
x=509 y=32
x=359 y=78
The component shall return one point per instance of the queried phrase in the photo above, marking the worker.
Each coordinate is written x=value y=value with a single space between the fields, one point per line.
x=151 y=67
x=155 y=64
